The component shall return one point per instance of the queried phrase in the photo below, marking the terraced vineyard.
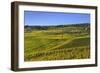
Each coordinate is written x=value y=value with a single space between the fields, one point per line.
x=57 y=42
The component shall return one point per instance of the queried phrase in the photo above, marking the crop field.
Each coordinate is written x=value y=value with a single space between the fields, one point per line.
x=62 y=42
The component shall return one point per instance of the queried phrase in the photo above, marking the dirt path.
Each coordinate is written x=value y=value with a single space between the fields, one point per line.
x=60 y=44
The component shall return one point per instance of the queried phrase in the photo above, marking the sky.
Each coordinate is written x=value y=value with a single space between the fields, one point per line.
x=37 y=18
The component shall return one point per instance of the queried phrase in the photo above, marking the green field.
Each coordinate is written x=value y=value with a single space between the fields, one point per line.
x=43 y=43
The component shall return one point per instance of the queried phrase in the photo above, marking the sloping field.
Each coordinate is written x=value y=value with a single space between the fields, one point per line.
x=57 y=44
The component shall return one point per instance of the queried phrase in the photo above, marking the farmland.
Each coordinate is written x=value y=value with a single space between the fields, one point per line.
x=60 y=42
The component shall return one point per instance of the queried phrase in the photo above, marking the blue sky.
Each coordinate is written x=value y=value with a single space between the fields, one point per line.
x=35 y=18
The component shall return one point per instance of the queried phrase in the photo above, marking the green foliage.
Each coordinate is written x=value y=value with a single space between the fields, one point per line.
x=57 y=42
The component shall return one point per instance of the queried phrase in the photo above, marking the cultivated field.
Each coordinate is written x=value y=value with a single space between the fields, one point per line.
x=62 y=42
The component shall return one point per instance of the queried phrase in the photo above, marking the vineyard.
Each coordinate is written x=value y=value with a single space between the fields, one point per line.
x=43 y=43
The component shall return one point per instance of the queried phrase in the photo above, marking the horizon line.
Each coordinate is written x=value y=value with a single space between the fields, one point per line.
x=55 y=24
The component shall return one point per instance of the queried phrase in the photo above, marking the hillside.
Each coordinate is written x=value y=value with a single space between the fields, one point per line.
x=57 y=42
